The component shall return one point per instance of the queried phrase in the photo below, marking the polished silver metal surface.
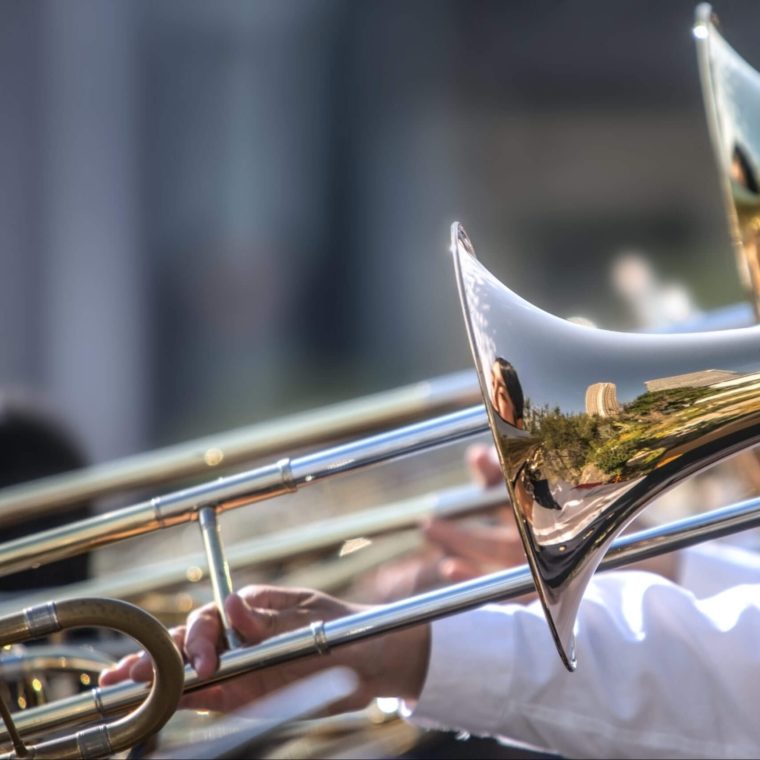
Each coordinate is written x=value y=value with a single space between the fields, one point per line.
x=383 y=447
x=590 y=425
x=21 y=662
x=277 y=546
x=319 y=634
x=435 y=604
x=218 y=570
x=211 y=455
x=731 y=90
x=236 y=491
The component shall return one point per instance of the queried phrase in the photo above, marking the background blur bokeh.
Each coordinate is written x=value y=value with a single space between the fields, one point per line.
x=212 y=213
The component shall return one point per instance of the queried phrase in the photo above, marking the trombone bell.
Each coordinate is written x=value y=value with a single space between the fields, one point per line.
x=731 y=89
x=590 y=425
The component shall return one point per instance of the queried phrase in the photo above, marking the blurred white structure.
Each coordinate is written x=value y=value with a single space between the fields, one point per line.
x=654 y=304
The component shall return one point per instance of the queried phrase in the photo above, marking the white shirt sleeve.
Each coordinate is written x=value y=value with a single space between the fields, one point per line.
x=660 y=673
x=709 y=568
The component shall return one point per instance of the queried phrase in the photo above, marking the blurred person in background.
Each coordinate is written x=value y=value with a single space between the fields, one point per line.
x=655 y=305
x=35 y=443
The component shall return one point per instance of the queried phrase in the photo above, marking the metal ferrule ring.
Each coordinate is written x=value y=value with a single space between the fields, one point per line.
x=319 y=637
x=41 y=620
x=94 y=742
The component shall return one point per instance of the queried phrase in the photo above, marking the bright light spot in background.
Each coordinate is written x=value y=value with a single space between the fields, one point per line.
x=700 y=32
x=583 y=321
x=213 y=457
x=388 y=705
x=353 y=545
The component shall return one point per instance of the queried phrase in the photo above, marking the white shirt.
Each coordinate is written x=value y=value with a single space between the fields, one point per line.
x=663 y=670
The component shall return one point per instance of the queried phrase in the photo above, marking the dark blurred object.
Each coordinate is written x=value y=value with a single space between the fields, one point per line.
x=34 y=443
x=449 y=745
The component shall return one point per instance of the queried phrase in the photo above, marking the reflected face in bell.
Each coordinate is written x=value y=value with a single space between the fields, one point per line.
x=503 y=403
x=741 y=171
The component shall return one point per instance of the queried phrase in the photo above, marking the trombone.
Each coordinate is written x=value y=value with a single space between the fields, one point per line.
x=589 y=425
x=322 y=636
x=149 y=717
x=211 y=454
x=280 y=545
x=204 y=502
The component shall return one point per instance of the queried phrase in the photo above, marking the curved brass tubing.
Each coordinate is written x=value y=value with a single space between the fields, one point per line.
x=149 y=717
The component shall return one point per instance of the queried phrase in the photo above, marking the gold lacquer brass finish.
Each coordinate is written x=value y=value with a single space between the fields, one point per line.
x=731 y=90
x=149 y=717
x=590 y=425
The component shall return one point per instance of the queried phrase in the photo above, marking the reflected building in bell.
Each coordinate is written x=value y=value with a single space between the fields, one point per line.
x=601 y=400
x=700 y=379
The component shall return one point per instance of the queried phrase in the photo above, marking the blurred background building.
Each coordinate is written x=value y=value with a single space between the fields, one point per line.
x=215 y=213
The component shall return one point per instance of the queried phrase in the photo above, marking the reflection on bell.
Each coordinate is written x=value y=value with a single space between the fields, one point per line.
x=731 y=90
x=590 y=425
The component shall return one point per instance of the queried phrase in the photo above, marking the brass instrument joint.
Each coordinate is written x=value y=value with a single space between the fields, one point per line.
x=41 y=620
x=319 y=637
x=94 y=742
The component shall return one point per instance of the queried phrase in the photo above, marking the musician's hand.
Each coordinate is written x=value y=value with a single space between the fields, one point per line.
x=457 y=550
x=391 y=665
x=484 y=465
x=474 y=550
x=471 y=550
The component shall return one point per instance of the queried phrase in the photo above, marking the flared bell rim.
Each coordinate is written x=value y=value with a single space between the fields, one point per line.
x=620 y=366
x=577 y=329
x=461 y=246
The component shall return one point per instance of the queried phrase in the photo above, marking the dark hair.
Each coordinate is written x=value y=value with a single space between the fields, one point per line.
x=512 y=383
x=34 y=443
x=749 y=180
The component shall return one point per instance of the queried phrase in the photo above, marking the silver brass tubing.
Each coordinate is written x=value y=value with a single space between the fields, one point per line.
x=312 y=536
x=218 y=569
x=19 y=748
x=210 y=454
x=389 y=445
x=31 y=661
x=425 y=607
x=235 y=491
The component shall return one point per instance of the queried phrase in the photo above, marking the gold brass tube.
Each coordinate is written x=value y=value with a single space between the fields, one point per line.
x=141 y=723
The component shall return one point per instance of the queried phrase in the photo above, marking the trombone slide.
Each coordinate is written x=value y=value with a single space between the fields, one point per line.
x=320 y=637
